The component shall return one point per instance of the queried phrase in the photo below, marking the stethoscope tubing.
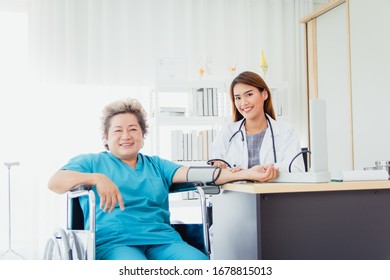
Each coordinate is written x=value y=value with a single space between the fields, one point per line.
x=243 y=139
x=238 y=131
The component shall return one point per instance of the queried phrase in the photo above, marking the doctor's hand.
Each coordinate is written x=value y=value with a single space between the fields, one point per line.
x=109 y=194
x=263 y=173
x=236 y=169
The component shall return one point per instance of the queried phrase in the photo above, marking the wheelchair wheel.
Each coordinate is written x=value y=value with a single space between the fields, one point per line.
x=57 y=247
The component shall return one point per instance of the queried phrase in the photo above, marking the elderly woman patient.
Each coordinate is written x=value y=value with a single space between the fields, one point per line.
x=132 y=216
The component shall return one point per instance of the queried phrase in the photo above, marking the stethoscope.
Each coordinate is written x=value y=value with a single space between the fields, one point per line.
x=243 y=139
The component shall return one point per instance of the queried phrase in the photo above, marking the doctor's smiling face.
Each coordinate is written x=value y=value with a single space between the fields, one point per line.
x=251 y=97
x=249 y=100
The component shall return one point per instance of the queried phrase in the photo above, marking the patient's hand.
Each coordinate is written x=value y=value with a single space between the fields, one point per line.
x=109 y=194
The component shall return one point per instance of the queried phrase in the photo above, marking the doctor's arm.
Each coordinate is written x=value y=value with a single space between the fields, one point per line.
x=258 y=173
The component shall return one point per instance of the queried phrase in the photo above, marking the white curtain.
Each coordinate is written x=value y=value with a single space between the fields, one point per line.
x=84 y=53
x=118 y=41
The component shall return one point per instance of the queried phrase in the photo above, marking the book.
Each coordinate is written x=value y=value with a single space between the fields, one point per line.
x=205 y=103
x=204 y=144
x=199 y=102
x=209 y=102
x=200 y=146
x=180 y=145
x=194 y=145
x=215 y=102
x=185 y=146
x=209 y=142
x=177 y=143
x=174 y=145
x=189 y=146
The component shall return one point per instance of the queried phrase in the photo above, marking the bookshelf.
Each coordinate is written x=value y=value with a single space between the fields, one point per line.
x=185 y=117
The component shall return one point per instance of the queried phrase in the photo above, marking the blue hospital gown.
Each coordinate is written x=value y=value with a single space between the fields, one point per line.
x=145 y=189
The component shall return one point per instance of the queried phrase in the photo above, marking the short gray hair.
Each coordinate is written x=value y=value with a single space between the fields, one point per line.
x=128 y=105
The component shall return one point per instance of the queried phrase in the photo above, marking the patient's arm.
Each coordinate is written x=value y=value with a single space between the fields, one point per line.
x=259 y=173
x=64 y=180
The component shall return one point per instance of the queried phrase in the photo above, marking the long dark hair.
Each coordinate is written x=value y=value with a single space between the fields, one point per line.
x=252 y=79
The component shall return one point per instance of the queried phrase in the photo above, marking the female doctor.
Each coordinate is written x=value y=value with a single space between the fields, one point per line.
x=255 y=137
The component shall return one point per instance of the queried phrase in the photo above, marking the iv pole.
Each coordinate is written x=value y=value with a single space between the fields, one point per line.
x=10 y=254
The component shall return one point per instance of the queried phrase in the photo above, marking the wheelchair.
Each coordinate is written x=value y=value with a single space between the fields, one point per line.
x=77 y=243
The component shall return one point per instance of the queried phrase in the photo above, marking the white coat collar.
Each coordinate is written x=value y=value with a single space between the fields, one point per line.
x=274 y=124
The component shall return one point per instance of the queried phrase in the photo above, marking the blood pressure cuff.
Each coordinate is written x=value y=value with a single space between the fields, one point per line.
x=204 y=174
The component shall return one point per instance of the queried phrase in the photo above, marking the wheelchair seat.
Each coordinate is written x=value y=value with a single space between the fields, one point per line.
x=78 y=243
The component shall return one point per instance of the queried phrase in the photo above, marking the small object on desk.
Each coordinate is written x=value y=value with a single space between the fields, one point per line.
x=336 y=180
x=365 y=175
x=383 y=164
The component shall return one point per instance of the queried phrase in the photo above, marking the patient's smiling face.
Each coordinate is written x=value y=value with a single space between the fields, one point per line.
x=125 y=137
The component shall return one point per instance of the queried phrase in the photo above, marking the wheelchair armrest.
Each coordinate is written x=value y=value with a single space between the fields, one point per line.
x=193 y=186
x=76 y=192
x=81 y=187
x=211 y=189
x=79 y=190
x=184 y=187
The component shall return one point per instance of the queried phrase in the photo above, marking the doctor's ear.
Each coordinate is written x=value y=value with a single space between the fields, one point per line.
x=265 y=94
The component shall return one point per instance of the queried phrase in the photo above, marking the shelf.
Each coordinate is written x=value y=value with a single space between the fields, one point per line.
x=169 y=130
x=190 y=121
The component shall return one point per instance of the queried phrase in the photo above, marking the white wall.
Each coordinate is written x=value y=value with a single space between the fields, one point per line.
x=358 y=135
x=333 y=86
x=370 y=45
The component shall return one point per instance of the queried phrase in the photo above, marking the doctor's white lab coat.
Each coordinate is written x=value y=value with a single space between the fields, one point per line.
x=235 y=152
